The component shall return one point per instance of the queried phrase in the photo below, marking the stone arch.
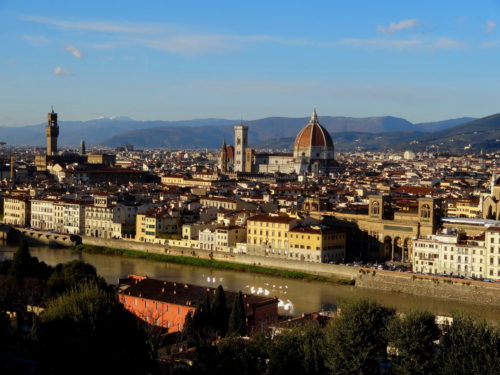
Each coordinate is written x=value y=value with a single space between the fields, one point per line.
x=407 y=250
x=397 y=254
x=387 y=247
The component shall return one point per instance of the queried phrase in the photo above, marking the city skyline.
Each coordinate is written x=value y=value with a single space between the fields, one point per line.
x=164 y=61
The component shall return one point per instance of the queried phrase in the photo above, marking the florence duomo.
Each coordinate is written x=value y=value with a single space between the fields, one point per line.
x=313 y=152
x=184 y=209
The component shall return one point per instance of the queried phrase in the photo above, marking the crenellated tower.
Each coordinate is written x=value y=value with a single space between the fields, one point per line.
x=52 y=132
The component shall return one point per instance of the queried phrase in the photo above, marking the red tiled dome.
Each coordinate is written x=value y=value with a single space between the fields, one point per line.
x=313 y=135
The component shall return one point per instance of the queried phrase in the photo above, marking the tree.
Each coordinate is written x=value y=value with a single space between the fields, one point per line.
x=247 y=357
x=21 y=265
x=298 y=351
x=470 y=347
x=411 y=338
x=87 y=330
x=24 y=265
x=198 y=328
x=357 y=338
x=219 y=312
x=237 y=319
x=70 y=274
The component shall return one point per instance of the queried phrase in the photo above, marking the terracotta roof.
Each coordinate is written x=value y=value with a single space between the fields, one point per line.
x=313 y=134
x=180 y=293
x=272 y=219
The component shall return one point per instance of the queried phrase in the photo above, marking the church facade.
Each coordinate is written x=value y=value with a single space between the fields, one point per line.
x=313 y=152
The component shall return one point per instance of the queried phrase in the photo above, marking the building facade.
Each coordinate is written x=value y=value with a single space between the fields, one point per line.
x=17 y=211
x=166 y=304
x=42 y=214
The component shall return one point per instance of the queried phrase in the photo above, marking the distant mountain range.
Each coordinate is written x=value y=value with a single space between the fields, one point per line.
x=348 y=133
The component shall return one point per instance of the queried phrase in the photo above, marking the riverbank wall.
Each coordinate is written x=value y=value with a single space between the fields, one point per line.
x=475 y=292
x=322 y=269
x=469 y=291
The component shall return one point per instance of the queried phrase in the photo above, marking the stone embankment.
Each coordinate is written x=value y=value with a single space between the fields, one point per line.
x=475 y=292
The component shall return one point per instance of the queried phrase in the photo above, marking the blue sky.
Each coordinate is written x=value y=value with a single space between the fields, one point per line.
x=172 y=60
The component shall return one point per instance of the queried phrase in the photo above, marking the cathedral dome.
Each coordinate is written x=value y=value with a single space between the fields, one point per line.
x=313 y=135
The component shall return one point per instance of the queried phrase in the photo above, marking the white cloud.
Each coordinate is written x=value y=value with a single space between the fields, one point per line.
x=36 y=39
x=74 y=51
x=398 y=26
x=439 y=43
x=379 y=43
x=185 y=42
x=490 y=26
x=58 y=71
x=101 y=26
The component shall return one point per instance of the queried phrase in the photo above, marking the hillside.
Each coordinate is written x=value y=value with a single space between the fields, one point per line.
x=260 y=130
x=482 y=133
x=118 y=131
x=350 y=141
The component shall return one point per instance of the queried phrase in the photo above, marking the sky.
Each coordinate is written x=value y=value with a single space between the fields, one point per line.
x=178 y=60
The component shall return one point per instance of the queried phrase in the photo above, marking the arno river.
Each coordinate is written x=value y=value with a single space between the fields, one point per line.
x=296 y=296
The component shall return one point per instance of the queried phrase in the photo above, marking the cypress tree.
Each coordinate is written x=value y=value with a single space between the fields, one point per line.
x=22 y=262
x=219 y=311
x=237 y=319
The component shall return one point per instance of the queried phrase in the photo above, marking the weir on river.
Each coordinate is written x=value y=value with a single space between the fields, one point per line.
x=296 y=296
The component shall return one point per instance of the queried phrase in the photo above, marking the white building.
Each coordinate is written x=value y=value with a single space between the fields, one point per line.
x=207 y=239
x=453 y=254
x=42 y=214
x=492 y=238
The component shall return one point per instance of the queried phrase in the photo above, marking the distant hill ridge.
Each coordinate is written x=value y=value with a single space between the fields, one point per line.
x=346 y=131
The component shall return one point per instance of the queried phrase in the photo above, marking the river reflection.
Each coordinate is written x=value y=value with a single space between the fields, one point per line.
x=296 y=296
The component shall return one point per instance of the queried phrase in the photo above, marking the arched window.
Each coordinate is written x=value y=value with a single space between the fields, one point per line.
x=425 y=211
x=375 y=208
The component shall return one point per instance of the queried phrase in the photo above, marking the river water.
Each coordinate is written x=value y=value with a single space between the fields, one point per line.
x=296 y=296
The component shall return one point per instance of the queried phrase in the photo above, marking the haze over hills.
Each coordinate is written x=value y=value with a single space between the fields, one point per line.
x=483 y=133
x=92 y=131
x=271 y=132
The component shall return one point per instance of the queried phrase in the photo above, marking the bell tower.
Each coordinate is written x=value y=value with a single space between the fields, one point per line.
x=240 y=145
x=52 y=132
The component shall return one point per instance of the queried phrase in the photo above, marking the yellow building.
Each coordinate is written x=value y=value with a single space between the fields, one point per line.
x=105 y=159
x=226 y=203
x=269 y=234
x=316 y=244
x=150 y=225
x=17 y=211
x=176 y=180
x=469 y=208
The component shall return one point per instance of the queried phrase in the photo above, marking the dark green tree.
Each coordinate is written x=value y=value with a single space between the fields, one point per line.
x=22 y=262
x=357 y=338
x=412 y=339
x=247 y=357
x=198 y=328
x=87 y=330
x=298 y=351
x=24 y=265
x=470 y=347
x=219 y=311
x=68 y=275
x=237 y=319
